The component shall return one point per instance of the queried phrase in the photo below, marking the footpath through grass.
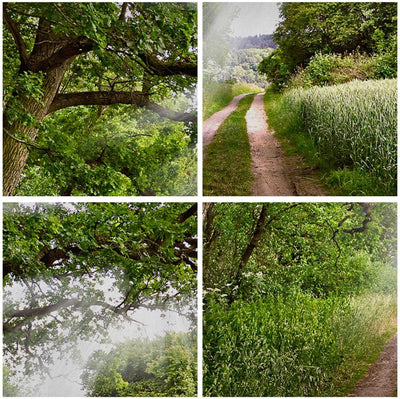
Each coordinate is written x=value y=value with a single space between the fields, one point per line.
x=294 y=345
x=217 y=95
x=227 y=162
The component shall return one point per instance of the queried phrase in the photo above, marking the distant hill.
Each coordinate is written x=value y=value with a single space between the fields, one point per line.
x=258 y=41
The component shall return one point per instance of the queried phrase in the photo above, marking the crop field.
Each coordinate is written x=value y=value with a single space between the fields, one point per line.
x=353 y=125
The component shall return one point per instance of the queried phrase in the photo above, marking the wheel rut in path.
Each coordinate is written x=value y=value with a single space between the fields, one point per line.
x=274 y=173
x=381 y=378
x=212 y=124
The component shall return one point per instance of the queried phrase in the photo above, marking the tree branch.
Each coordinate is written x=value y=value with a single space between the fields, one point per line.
x=19 y=41
x=124 y=7
x=169 y=68
x=64 y=303
x=187 y=214
x=97 y=98
x=74 y=47
x=170 y=114
x=117 y=97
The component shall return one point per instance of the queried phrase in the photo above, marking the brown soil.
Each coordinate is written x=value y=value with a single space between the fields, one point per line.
x=212 y=124
x=381 y=378
x=276 y=174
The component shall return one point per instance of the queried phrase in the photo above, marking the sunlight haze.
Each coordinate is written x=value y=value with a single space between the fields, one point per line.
x=254 y=19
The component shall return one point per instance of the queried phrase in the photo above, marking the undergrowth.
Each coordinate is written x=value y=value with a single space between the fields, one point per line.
x=293 y=344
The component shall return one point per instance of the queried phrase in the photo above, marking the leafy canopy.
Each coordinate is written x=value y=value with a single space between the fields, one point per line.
x=71 y=271
x=68 y=67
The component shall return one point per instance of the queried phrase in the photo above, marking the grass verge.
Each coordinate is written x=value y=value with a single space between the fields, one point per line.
x=294 y=345
x=217 y=95
x=227 y=162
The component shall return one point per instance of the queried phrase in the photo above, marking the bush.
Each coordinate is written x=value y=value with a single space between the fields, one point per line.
x=332 y=69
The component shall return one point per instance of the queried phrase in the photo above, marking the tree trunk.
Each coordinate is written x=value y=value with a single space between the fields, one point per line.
x=15 y=152
x=51 y=55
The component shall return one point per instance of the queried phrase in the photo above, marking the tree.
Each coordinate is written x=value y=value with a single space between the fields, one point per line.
x=165 y=366
x=80 y=54
x=318 y=248
x=310 y=28
x=71 y=271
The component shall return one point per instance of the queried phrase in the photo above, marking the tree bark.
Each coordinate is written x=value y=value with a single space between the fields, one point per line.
x=47 y=45
x=15 y=153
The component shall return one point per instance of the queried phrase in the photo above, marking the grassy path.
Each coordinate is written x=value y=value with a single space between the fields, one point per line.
x=212 y=124
x=227 y=159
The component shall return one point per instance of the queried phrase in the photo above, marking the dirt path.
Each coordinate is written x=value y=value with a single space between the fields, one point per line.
x=381 y=378
x=212 y=124
x=276 y=174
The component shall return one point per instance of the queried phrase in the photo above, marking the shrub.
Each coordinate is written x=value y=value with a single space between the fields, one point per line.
x=332 y=69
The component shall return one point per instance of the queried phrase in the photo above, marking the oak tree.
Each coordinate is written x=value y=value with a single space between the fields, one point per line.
x=71 y=271
x=61 y=55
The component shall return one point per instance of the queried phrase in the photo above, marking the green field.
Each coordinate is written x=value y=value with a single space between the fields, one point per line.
x=348 y=130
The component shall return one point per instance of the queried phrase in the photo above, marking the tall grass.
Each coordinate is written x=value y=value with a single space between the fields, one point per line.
x=353 y=126
x=293 y=345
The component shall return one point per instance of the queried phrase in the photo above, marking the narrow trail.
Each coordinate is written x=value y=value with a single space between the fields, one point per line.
x=212 y=124
x=271 y=176
x=381 y=378
x=274 y=173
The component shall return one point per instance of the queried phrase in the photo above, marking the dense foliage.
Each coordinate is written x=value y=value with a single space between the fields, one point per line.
x=307 y=29
x=71 y=271
x=67 y=70
x=166 y=366
x=126 y=152
x=331 y=69
x=243 y=66
x=299 y=297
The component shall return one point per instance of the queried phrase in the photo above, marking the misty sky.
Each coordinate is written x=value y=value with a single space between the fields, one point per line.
x=67 y=383
x=255 y=18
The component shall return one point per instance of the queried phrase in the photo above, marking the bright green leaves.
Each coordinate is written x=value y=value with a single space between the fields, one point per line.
x=108 y=47
x=166 y=366
x=307 y=29
x=126 y=152
x=322 y=249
